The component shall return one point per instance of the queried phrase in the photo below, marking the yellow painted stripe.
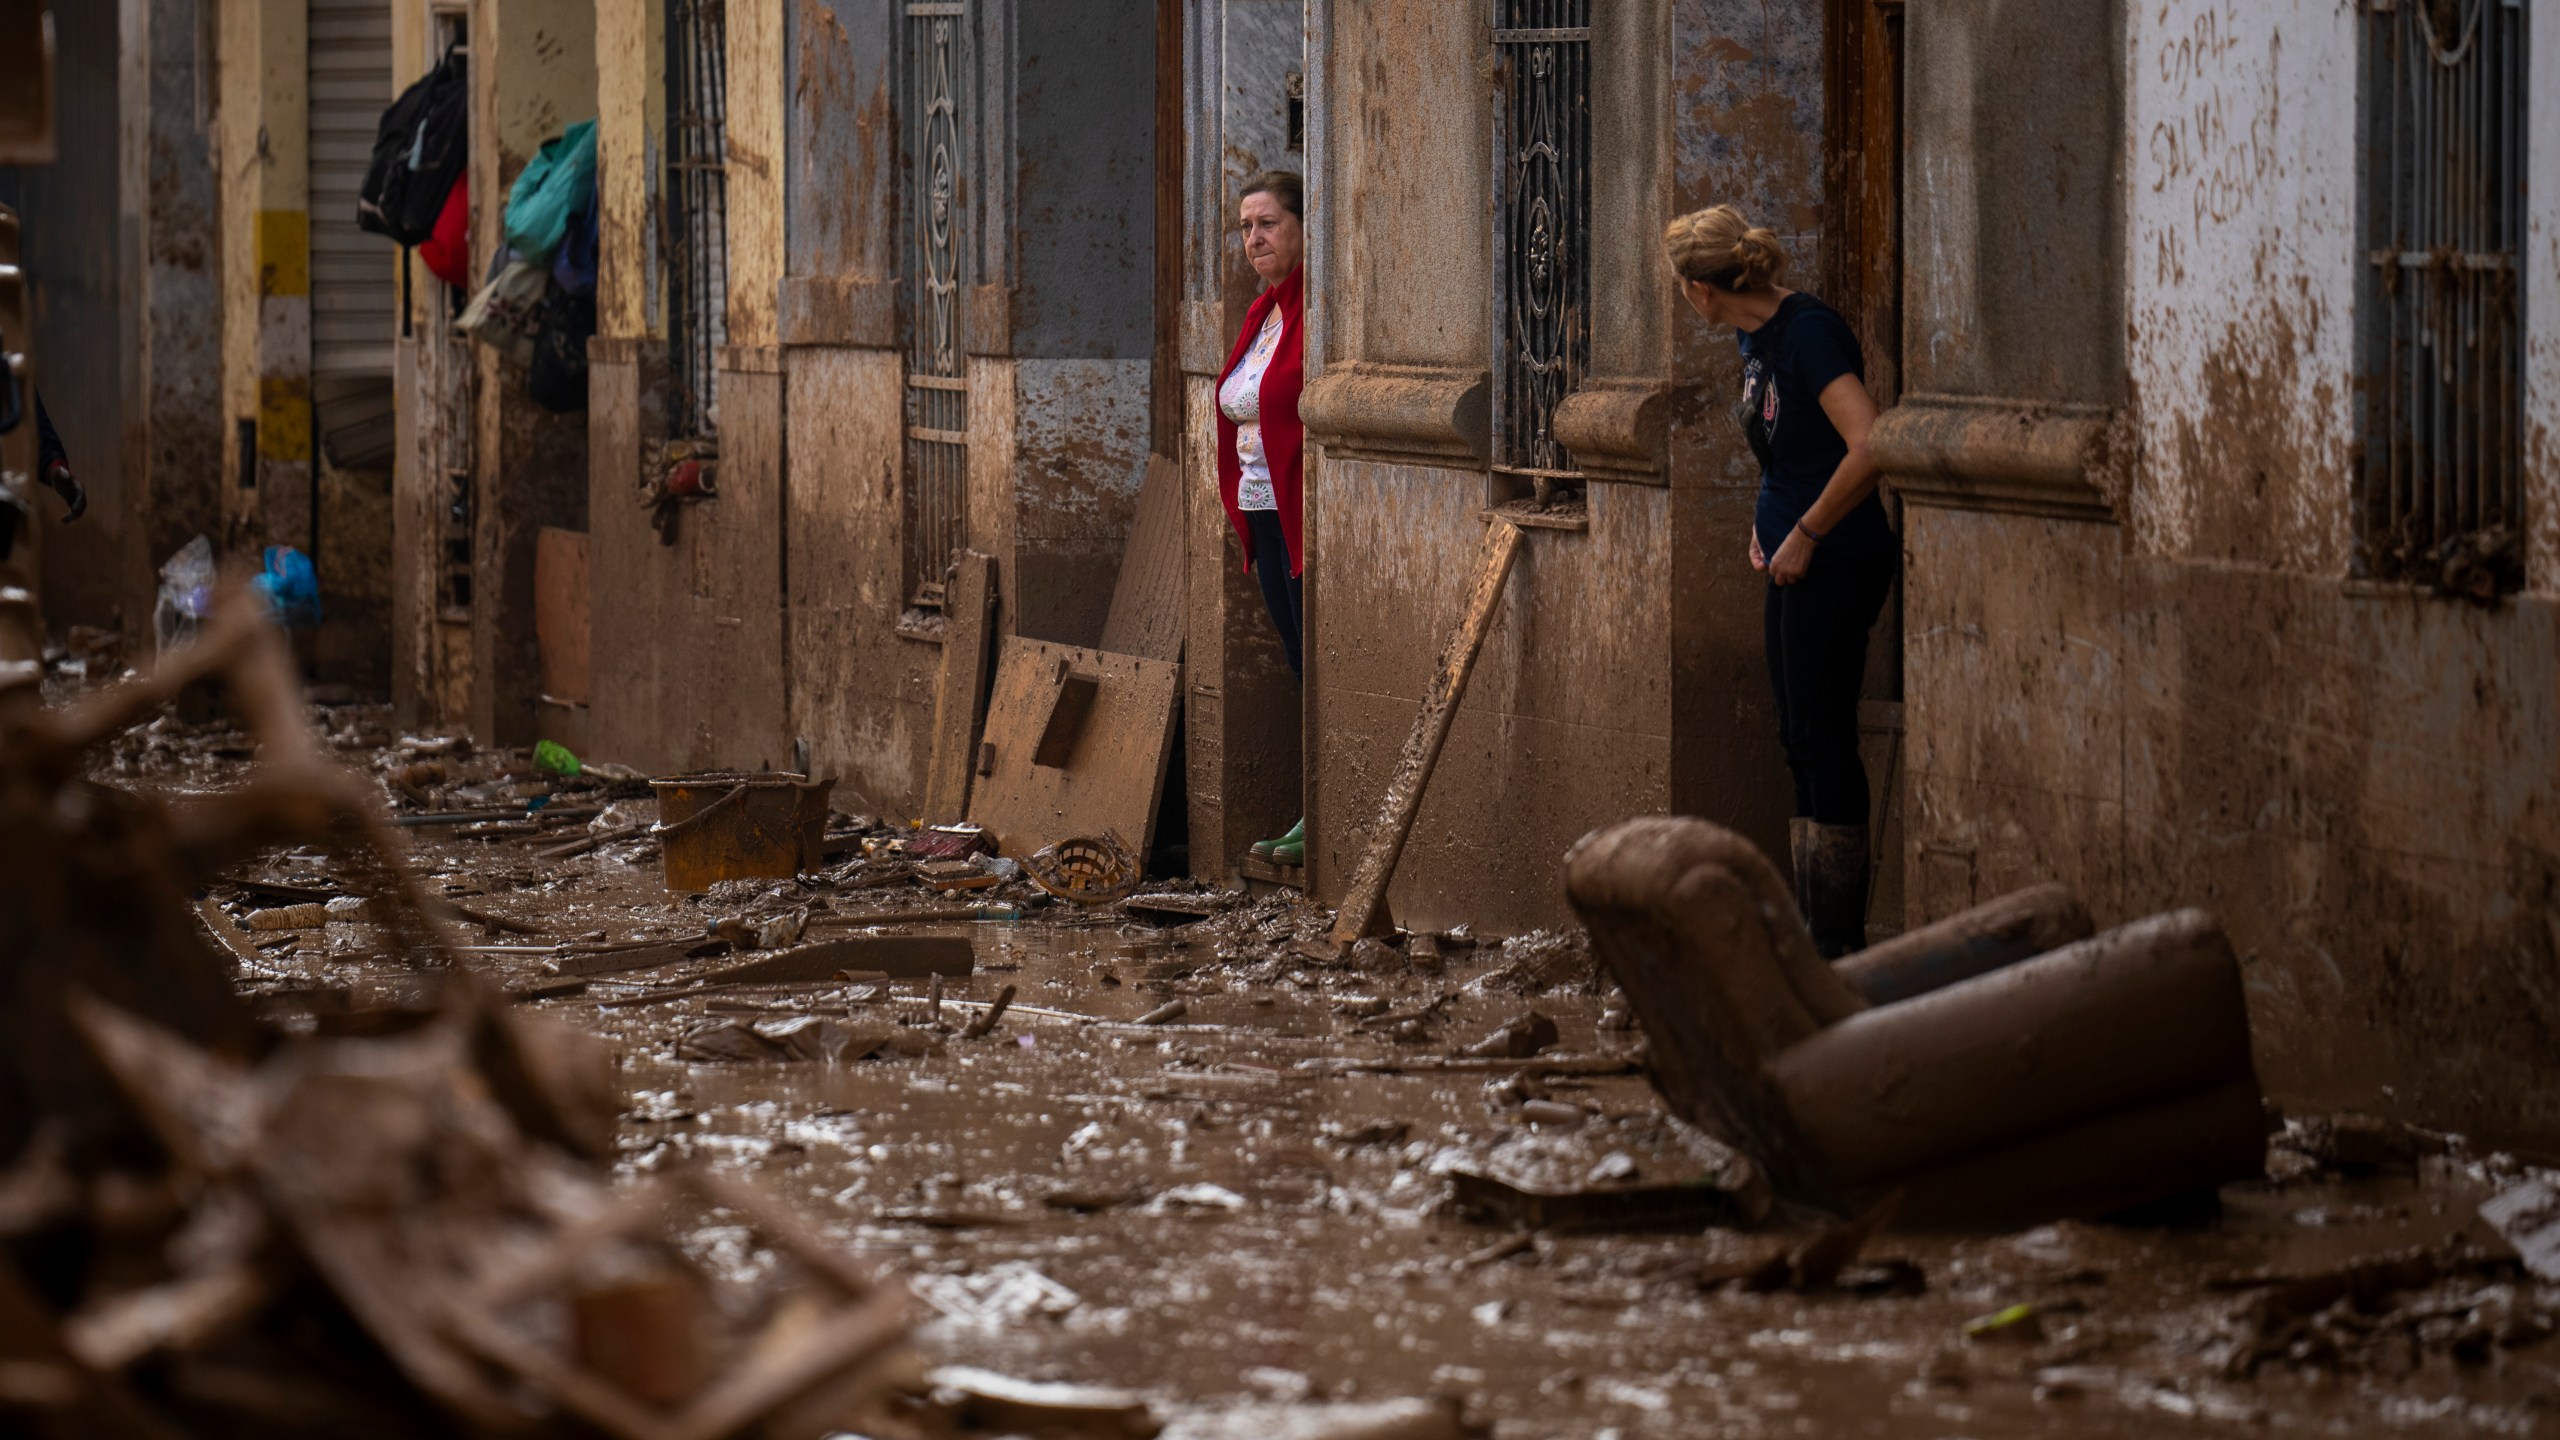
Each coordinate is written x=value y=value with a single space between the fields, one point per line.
x=284 y=252
x=284 y=418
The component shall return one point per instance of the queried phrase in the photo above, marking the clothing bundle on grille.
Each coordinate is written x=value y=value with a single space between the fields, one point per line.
x=538 y=303
x=420 y=152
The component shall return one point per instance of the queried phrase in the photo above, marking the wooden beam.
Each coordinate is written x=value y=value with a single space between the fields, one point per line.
x=968 y=642
x=1430 y=731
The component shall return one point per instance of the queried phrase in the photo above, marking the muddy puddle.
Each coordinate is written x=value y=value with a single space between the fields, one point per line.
x=1251 y=1196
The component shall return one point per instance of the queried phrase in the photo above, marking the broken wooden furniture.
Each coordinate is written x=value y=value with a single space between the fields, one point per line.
x=2110 y=1072
x=211 y=1228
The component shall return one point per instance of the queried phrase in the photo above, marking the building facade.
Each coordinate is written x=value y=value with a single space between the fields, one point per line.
x=1492 y=319
x=2232 y=456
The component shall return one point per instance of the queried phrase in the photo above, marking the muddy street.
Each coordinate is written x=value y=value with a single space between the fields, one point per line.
x=1205 y=1158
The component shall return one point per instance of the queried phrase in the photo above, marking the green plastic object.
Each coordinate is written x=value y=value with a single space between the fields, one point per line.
x=553 y=756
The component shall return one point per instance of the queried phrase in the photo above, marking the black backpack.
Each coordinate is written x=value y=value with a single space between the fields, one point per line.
x=418 y=152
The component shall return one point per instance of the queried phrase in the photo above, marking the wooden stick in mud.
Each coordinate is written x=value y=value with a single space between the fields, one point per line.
x=1430 y=731
x=994 y=1013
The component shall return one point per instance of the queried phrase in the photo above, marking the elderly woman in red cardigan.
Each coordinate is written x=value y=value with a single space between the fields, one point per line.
x=1259 y=437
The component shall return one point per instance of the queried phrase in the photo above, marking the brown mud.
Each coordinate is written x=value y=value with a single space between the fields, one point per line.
x=1226 y=1204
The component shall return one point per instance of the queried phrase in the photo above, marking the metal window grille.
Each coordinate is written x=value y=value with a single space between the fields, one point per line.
x=2441 y=491
x=937 y=212
x=1541 y=227
x=697 y=224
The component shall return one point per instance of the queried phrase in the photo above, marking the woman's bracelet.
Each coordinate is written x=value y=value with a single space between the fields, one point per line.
x=1810 y=534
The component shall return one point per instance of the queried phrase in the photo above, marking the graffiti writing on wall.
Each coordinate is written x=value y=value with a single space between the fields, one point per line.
x=2200 y=150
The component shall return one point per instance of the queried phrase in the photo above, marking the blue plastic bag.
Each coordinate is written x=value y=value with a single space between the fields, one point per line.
x=291 y=586
x=549 y=192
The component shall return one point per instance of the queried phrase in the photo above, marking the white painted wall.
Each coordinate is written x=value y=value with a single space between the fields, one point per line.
x=2542 y=301
x=2241 y=273
x=2242 y=270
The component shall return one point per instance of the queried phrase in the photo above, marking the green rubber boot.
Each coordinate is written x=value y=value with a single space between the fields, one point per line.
x=1269 y=849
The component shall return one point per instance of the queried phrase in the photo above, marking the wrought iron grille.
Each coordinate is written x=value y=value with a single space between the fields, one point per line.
x=1541 y=227
x=937 y=263
x=2441 y=493
x=697 y=209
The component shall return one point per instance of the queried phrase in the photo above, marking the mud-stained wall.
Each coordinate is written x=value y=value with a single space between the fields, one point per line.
x=861 y=694
x=2243 y=265
x=172 y=445
x=2197 y=705
x=1080 y=451
x=2013 y=185
x=2542 y=302
x=1070 y=236
x=263 y=152
x=631 y=92
x=1567 y=723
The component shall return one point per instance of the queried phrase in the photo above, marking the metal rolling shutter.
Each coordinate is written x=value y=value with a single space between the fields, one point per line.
x=355 y=296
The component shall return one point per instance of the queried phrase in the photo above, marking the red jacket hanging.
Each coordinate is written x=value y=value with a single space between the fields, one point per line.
x=1284 y=440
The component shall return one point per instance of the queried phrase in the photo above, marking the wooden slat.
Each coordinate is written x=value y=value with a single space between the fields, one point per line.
x=969 y=614
x=1146 y=604
x=1403 y=799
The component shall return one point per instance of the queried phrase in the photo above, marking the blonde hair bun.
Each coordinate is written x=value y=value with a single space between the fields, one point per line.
x=1718 y=246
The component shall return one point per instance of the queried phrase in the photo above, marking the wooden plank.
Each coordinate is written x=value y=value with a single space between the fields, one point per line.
x=562 y=623
x=969 y=618
x=1146 y=603
x=1403 y=799
x=1115 y=776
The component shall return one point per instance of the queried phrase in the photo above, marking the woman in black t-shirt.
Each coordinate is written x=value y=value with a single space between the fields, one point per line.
x=1819 y=532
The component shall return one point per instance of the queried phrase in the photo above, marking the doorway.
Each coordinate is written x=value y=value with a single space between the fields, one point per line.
x=1861 y=275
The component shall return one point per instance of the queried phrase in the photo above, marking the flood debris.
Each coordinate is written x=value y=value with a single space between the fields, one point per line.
x=1411 y=1419
x=397 y=1226
x=2111 y=1073
x=815 y=1038
x=969 y=1398
x=1088 y=870
x=2527 y=1215
x=2388 y=1313
x=1607 y=1174
x=1518 y=1038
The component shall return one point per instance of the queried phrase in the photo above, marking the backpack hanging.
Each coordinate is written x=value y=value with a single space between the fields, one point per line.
x=419 y=150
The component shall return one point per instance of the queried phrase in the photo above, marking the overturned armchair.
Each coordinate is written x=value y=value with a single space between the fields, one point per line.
x=2002 y=1066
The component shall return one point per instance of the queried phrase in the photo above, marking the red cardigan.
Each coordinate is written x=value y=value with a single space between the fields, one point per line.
x=1284 y=440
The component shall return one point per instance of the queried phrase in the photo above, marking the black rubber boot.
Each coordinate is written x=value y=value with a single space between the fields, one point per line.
x=1835 y=888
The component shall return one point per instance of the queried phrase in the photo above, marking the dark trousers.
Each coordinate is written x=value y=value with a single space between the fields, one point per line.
x=1817 y=637
x=1284 y=593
